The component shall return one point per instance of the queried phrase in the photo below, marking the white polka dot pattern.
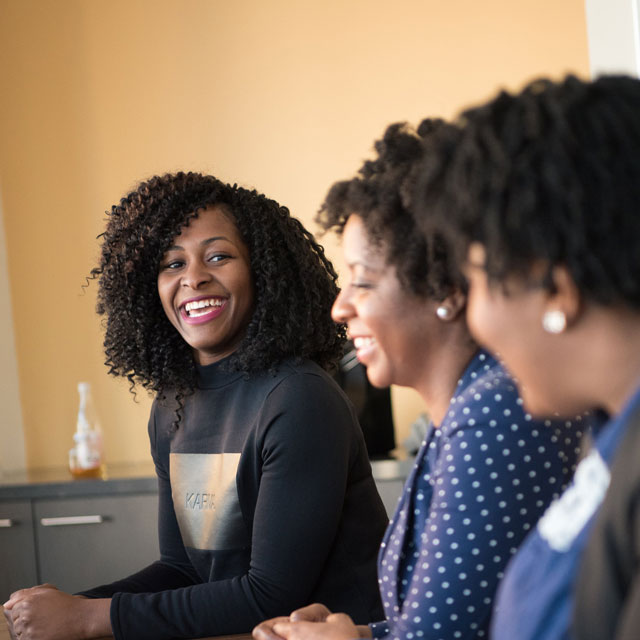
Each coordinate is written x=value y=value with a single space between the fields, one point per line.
x=480 y=482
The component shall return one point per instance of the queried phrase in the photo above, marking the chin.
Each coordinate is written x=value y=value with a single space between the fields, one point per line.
x=379 y=379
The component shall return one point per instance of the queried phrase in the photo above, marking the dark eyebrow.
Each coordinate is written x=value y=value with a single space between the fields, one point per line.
x=177 y=247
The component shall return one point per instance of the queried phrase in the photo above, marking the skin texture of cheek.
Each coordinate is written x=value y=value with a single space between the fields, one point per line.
x=507 y=320
x=379 y=372
x=529 y=355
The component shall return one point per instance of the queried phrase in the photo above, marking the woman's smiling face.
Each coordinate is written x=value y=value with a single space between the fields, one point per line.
x=205 y=285
x=507 y=319
x=391 y=328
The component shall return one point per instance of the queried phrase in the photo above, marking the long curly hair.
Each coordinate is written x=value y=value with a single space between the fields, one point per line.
x=547 y=176
x=294 y=283
x=380 y=194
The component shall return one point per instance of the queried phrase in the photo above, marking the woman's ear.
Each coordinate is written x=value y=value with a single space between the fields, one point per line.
x=452 y=306
x=563 y=306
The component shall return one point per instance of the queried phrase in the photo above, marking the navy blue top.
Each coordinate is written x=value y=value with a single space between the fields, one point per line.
x=535 y=600
x=480 y=482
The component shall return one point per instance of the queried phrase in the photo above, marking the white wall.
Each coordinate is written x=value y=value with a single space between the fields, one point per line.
x=11 y=429
x=613 y=30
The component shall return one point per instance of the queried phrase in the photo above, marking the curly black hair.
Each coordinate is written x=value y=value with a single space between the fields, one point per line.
x=547 y=176
x=380 y=194
x=294 y=283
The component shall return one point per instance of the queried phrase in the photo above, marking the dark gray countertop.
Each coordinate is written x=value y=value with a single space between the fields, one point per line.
x=58 y=482
x=392 y=468
x=127 y=479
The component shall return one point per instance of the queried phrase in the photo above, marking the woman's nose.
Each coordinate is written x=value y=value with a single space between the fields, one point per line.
x=342 y=309
x=195 y=275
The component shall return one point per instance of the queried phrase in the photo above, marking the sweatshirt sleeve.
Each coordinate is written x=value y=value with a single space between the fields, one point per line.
x=304 y=441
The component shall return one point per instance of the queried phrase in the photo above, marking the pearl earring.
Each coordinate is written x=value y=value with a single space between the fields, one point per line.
x=554 y=321
x=444 y=313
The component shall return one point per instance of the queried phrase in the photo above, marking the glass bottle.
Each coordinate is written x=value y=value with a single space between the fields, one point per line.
x=86 y=458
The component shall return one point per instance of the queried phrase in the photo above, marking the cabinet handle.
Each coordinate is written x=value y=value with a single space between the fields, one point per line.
x=69 y=520
x=6 y=523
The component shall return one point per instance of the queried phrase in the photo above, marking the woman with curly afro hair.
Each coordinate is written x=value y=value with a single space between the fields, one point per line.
x=219 y=302
x=459 y=520
x=540 y=194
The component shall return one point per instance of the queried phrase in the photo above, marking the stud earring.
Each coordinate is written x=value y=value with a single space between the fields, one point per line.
x=554 y=321
x=444 y=313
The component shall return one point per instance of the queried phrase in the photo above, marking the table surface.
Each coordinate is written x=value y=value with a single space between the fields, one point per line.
x=4 y=633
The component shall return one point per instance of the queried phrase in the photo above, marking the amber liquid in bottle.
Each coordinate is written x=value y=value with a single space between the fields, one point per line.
x=80 y=474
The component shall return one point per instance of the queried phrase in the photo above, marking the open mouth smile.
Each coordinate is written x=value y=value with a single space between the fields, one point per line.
x=202 y=309
x=363 y=345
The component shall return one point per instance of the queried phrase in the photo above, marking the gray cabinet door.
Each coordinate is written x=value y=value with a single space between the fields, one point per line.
x=17 y=551
x=86 y=542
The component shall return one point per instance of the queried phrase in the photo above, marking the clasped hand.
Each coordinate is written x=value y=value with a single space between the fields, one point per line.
x=314 y=622
x=42 y=613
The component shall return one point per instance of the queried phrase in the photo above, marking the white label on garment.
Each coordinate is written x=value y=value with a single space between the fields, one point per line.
x=567 y=516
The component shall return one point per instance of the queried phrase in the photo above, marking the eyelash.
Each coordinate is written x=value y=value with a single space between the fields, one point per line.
x=176 y=264
x=362 y=285
x=170 y=266
x=221 y=256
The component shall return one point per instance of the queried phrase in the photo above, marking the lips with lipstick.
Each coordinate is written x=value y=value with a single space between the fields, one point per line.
x=199 y=310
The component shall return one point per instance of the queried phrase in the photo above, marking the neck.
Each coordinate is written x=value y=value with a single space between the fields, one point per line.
x=613 y=358
x=446 y=365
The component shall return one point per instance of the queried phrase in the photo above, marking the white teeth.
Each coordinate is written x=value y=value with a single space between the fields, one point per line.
x=195 y=313
x=361 y=342
x=199 y=307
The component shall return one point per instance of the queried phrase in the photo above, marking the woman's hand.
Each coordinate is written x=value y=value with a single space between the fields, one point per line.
x=337 y=626
x=264 y=631
x=312 y=613
x=7 y=617
x=17 y=596
x=45 y=613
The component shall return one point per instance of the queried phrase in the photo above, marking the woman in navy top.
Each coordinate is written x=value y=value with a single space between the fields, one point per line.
x=540 y=191
x=486 y=470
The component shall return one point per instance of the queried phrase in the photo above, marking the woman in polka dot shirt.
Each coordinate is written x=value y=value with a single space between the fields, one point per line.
x=486 y=471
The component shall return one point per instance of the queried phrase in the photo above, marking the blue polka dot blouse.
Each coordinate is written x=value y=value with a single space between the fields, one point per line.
x=480 y=482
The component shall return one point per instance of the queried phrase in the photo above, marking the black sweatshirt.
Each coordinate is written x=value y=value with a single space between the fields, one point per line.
x=267 y=503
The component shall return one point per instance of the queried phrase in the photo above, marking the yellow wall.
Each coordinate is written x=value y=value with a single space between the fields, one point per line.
x=283 y=95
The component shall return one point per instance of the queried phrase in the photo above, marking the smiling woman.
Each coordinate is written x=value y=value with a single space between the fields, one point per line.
x=206 y=276
x=219 y=302
x=478 y=483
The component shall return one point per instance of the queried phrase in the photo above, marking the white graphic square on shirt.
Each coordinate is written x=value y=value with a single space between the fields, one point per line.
x=205 y=499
